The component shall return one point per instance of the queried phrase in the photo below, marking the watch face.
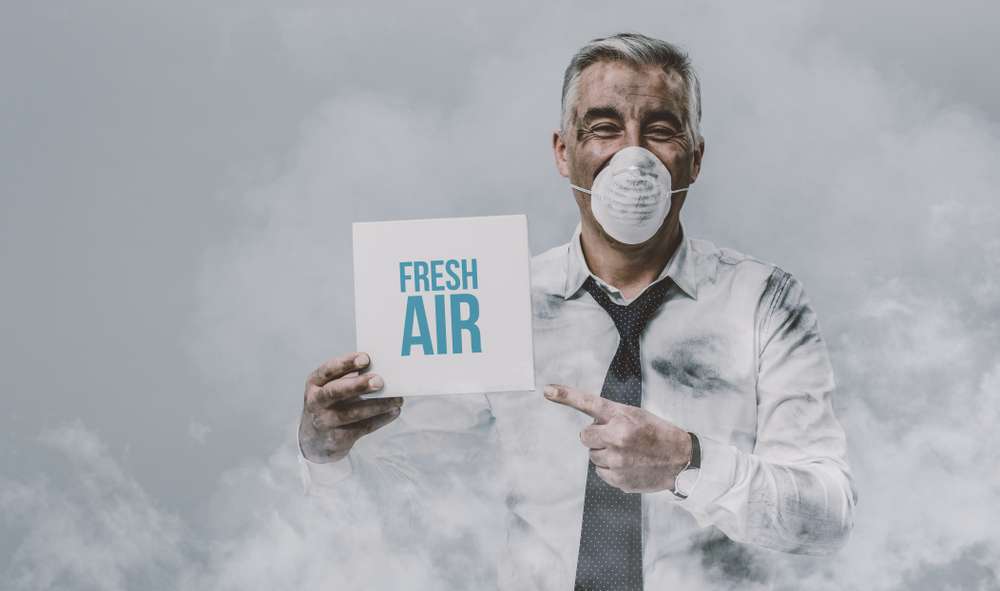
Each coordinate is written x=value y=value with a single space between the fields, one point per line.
x=685 y=481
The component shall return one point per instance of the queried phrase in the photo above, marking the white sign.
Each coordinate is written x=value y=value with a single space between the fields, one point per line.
x=443 y=306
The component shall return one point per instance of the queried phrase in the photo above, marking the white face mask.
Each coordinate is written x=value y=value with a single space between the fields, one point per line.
x=630 y=197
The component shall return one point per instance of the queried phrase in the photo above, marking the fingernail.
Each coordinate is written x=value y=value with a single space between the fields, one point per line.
x=375 y=383
x=361 y=360
x=550 y=391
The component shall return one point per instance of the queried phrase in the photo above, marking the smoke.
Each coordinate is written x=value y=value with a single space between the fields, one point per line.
x=101 y=531
x=829 y=151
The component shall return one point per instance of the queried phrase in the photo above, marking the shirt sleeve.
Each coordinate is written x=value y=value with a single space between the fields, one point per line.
x=435 y=438
x=794 y=493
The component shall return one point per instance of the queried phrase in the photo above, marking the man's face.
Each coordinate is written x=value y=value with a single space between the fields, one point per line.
x=621 y=105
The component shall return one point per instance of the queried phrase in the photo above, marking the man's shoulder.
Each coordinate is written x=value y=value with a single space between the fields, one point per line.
x=720 y=264
x=728 y=256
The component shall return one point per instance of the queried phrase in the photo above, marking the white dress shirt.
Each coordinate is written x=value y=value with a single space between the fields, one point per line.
x=734 y=355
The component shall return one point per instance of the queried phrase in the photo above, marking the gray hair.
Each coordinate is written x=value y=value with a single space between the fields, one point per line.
x=638 y=50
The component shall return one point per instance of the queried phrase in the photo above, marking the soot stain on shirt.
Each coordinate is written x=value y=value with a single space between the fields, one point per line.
x=687 y=364
x=799 y=326
x=546 y=306
x=796 y=316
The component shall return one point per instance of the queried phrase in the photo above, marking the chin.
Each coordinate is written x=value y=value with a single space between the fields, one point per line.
x=626 y=245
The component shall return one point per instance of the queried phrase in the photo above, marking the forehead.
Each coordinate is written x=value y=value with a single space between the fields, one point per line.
x=632 y=89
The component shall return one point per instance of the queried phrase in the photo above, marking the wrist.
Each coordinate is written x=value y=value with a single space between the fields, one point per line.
x=687 y=477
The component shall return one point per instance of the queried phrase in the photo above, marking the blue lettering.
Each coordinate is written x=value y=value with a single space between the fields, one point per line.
x=420 y=276
x=436 y=275
x=467 y=273
x=458 y=324
x=415 y=311
x=450 y=267
x=402 y=275
x=442 y=332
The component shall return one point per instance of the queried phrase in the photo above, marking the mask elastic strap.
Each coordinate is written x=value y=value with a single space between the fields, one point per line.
x=587 y=191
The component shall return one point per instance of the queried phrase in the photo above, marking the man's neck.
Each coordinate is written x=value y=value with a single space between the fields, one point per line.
x=632 y=268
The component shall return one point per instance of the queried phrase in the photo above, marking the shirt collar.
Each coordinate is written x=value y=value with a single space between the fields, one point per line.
x=680 y=267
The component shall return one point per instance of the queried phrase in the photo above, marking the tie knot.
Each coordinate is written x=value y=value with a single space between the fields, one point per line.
x=632 y=318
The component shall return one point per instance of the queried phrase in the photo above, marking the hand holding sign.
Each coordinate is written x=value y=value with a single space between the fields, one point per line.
x=632 y=448
x=333 y=415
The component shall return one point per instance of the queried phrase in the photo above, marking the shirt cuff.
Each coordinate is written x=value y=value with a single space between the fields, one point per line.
x=715 y=477
x=323 y=478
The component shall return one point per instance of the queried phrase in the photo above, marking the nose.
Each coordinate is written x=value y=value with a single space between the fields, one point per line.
x=633 y=136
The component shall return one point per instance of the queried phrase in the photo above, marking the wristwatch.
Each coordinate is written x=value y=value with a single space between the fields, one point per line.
x=688 y=476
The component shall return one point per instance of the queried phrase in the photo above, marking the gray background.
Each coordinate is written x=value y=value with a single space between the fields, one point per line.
x=178 y=181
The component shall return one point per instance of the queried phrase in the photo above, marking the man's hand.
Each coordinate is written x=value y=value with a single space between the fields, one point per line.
x=333 y=415
x=632 y=448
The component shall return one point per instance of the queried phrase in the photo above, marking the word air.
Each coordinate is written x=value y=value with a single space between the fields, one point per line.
x=445 y=283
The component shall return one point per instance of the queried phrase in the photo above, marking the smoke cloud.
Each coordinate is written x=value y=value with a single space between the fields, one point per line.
x=177 y=208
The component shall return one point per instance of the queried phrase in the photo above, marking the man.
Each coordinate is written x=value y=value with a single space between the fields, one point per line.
x=687 y=415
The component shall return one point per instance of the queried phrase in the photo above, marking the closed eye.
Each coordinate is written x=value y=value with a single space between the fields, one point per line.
x=661 y=133
x=605 y=129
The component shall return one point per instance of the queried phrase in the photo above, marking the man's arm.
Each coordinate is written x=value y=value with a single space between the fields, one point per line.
x=794 y=493
x=435 y=437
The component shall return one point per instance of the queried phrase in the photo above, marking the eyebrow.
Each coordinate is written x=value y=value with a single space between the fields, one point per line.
x=605 y=112
x=662 y=115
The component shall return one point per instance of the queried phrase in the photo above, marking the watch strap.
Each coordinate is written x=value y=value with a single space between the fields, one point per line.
x=694 y=464
x=695 y=451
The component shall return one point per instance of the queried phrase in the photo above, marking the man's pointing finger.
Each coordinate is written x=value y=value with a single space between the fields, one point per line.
x=589 y=404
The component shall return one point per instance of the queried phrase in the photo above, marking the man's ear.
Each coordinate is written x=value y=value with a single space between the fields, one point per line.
x=559 y=151
x=699 y=153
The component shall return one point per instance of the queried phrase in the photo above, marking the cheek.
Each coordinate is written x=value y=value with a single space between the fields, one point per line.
x=591 y=155
x=678 y=162
x=583 y=166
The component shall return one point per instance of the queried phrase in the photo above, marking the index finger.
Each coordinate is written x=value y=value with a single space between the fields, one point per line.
x=589 y=404
x=337 y=367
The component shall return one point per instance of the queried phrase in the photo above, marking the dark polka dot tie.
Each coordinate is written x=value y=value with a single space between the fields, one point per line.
x=610 y=557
